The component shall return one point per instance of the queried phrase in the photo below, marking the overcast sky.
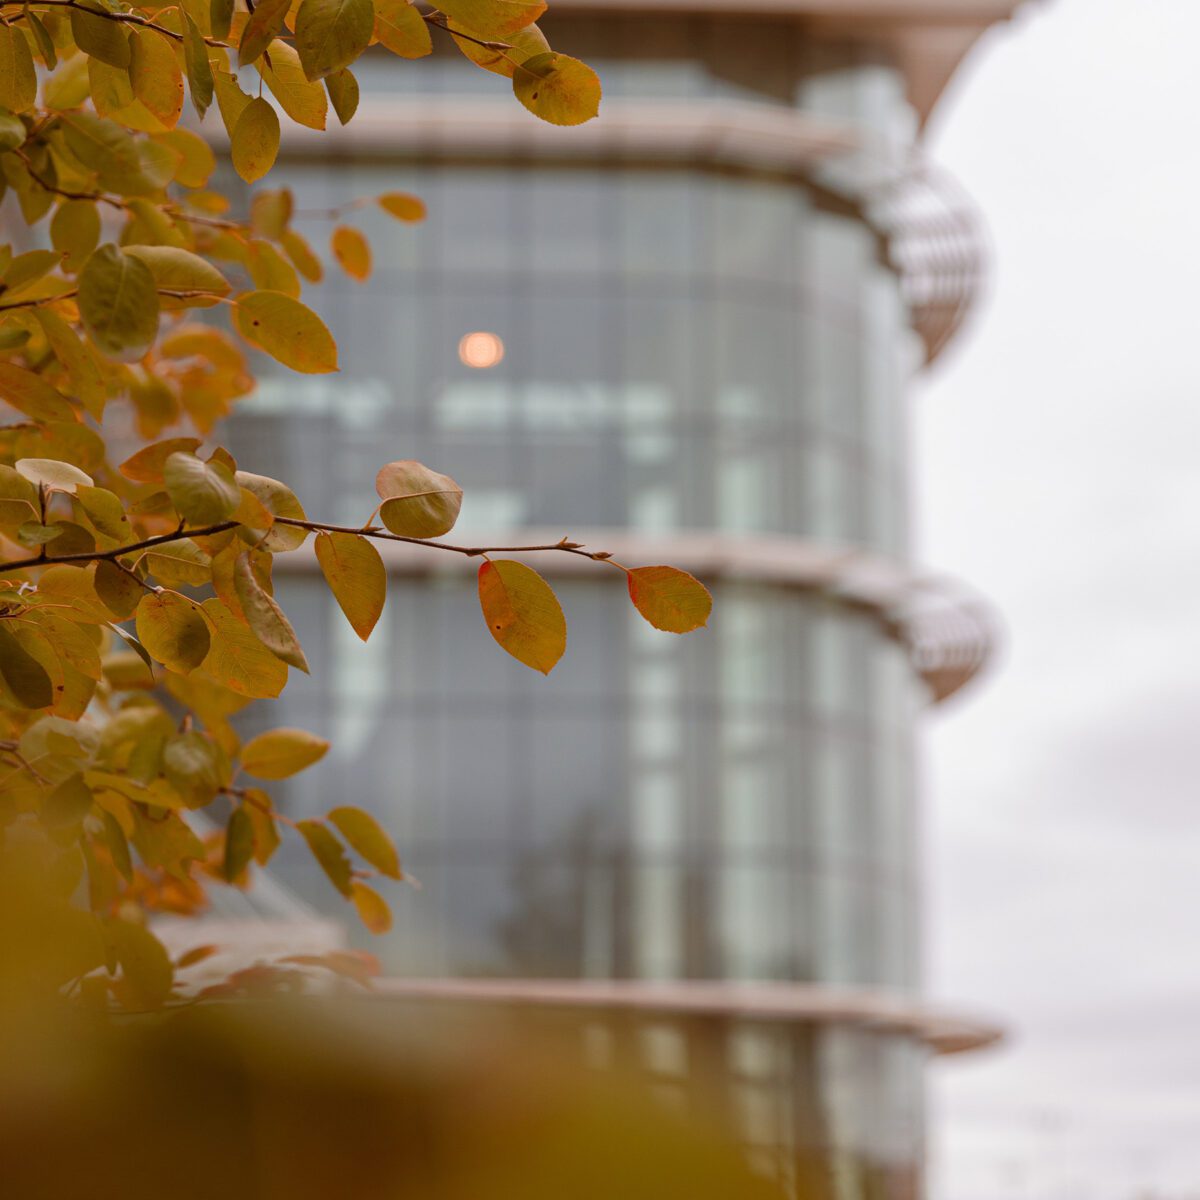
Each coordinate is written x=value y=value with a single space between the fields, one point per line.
x=1058 y=460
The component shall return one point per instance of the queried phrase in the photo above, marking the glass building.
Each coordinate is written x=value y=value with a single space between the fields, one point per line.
x=710 y=301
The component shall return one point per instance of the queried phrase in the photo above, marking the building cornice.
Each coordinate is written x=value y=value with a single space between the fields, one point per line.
x=799 y=1003
x=930 y=229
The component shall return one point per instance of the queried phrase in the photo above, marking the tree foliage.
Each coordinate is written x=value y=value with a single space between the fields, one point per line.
x=137 y=609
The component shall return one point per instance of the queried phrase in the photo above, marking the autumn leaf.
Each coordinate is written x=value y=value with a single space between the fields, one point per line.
x=670 y=599
x=281 y=753
x=356 y=576
x=522 y=614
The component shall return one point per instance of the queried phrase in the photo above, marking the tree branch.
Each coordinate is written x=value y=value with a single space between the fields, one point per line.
x=564 y=546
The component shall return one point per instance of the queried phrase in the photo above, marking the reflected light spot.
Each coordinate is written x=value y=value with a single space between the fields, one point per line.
x=481 y=350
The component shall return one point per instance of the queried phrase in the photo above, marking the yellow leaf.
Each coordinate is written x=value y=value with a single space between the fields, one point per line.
x=302 y=100
x=670 y=599
x=493 y=19
x=178 y=270
x=417 y=502
x=68 y=803
x=264 y=23
x=331 y=34
x=173 y=630
x=356 y=577
x=146 y=466
x=280 y=501
x=329 y=854
x=76 y=359
x=117 y=591
x=368 y=838
x=18 y=77
x=558 y=89
x=195 y=767
x=231 y=100
x=237 y=659
x=525 y=43
x=281 y=753
x=522 y=614
x=400 y=27
x=57 y=476
x=402 y=206
x=118 y=301
x=29 y=393
x=372 y=908
x=265 y=617
x=353 y=253
x=255 y=140
x=266 y=832
x=155 y=75
x=299 y=251
x=270 y=212
x=196 y=159
x=288 y=331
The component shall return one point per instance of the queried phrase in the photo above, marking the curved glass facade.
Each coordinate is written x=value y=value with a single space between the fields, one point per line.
x=685 y=349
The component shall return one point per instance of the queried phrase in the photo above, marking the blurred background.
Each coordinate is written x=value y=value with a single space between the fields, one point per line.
x=1057 y=469
x=814 y=262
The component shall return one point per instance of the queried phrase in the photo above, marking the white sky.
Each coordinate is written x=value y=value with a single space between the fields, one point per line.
x=1058 y=463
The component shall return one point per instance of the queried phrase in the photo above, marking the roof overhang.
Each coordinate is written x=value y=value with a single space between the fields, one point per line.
x=927 y=39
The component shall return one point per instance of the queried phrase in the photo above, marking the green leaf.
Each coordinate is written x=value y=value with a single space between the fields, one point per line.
x=366 y=836
x=331 y=34
x=239 y=844
x=205 y=493
x=558 y=89
x=220 y=15
x=18 y=77
x=12 y=130
x=281 y=753
x=265 y=617
x=118 y=301
x=670 y=599
x=343 y=94
x=173 y=630
x=146 y=969
x=522 y=614
x=255 y=140
x=265 y=22
x=356 y=576
x=117 y=591
x=68 y=803
x=288 y=331
x=105 y=511
x=195 y=60
x=195 y=767
x=417 y=502
x=328 y=852
x=99 y=36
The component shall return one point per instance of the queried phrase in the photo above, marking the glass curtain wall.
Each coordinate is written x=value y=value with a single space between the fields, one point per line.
x=685 y=350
